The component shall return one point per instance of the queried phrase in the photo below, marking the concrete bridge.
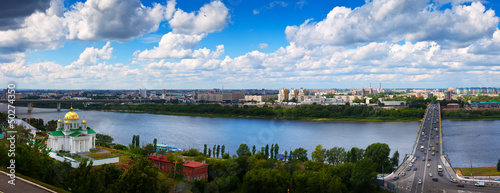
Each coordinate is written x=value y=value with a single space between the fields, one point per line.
x=85 y=102
x=415 y=176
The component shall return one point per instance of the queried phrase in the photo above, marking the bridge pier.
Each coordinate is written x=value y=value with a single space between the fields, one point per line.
x=29 y=107
x=58 y=106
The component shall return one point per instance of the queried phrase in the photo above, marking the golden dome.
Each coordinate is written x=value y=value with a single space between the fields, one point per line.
x=84 y=120
x=67 y=122
x=59 y=121
x=71 y=115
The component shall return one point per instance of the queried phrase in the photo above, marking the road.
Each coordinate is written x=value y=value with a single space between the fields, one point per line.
x=22 y=186
x=426 y=163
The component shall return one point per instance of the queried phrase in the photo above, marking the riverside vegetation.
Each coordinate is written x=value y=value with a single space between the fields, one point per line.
x=250 y=170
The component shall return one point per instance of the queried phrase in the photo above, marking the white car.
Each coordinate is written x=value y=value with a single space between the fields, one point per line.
x=430 y=174
x=428 y=165
x=411 y=165
x=419 y=181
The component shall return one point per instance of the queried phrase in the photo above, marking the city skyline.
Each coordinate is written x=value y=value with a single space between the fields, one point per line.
x=244 y=44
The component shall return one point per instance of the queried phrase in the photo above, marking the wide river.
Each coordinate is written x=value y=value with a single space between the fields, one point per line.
x=464 y=141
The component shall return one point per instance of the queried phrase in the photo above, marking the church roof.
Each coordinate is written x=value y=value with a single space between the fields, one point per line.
x=56 y=133
x=90 y=131
x=75 y=134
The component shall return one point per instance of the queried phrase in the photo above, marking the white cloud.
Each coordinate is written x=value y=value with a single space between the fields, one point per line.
x=113 y=20
x=39 y=31
x=90 y=56
x=211 y=17
x=396 y=20
x=270 y=6
x=172 y=46
x=263 y=46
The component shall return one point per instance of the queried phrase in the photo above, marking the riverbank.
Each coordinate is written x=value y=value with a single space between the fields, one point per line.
x=315 y=113
x=478 y=171
x=312 y=119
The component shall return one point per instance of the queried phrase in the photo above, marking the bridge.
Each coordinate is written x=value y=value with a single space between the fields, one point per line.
x=59 y=101
x=421 y=166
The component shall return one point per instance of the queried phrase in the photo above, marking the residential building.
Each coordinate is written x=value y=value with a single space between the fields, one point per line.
x=192 y=169
x=142 y=93
x=259 y=98
x=233 y=97
x=283 y=95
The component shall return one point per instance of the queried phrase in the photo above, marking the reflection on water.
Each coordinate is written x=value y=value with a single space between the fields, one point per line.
x=192 y=132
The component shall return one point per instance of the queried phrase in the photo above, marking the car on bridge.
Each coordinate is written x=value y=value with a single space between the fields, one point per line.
x=430 y=174
x=460 y=185
x=403 y=174
x=435 y=179
x=429 y=159
x=414 y=168
x=409 y=168
x=419 y=181
x=395 y=178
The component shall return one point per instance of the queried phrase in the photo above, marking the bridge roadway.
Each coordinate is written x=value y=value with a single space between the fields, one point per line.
x=59 y=101
x=426 y=163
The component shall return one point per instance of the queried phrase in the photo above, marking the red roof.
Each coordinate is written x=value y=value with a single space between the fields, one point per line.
x=163 y=158
x=194 y=164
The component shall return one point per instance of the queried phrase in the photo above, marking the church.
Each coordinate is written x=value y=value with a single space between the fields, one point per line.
x=72 y=135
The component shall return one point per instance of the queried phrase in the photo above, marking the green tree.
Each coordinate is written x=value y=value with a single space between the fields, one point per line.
x=133 y=140
x=276 y=149
x=379 y=154
x=395 y=159
x=243 y=150
x=154 y=144
x=82 y=179
x=272 y=150
x=214 y=150
x=143 y=176
x=218 y=150
x=103 y=140
x=223 y=149
x=110 y=173
x=205 y=150
x=498 y=165
x=266 y=153
x=137 y=141
x=319 y=154
x=150 y=148
x=363 y=174
x=300 y=154
x=286 y=154
x=334 y=155
x=209 y=152
x=253 y=150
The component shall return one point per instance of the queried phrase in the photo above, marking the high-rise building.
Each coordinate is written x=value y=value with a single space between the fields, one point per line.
x=283 y=95
x=292 y=94
x=447 y=95
x=301 y=95
x=142 y=93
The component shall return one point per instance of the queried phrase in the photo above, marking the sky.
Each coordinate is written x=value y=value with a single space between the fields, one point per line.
x=196 y=44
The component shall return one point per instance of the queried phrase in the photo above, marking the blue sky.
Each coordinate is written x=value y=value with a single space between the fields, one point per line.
x=111 y=44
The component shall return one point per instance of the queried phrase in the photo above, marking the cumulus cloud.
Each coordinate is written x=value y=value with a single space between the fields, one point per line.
x=172 y=46
x=113 y=19
x=211 y=17
x=39 y=31
x=90 y=56
x=274 y=4
x=13 y=13
x=396 y=20
x=263 y=46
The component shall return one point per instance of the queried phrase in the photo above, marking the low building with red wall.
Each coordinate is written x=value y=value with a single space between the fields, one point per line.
x=192 y=169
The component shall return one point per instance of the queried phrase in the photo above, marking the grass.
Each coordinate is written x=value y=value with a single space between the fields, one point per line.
x=103 y=155
x=125 y=157
x=48 y=186
x=480 y=171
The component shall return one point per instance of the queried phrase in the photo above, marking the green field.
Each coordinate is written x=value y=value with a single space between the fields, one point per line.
x=480 y=171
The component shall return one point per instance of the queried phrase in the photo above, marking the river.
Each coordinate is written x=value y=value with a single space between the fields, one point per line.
x=193 y=132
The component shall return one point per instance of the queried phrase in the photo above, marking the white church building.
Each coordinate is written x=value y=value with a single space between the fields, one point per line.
x=72 y=135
